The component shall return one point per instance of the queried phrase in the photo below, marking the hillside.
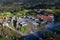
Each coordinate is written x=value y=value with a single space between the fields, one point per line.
x=27 y=3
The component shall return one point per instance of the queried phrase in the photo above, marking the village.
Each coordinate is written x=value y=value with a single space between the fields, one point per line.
x=26 y=23
x=33 y=21
x=29 y=19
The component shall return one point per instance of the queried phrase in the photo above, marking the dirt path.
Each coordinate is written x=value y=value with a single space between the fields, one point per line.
x=18 y=32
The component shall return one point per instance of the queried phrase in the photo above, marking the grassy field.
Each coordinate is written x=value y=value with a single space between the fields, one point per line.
x=9 y=33
x=2 y=38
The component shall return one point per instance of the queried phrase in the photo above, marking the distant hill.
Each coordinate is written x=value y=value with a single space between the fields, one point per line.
x=27 y=3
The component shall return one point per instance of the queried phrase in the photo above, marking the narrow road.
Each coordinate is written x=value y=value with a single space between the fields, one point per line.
x=18 y=32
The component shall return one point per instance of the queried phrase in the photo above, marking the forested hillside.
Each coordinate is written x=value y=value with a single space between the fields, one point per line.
x=27 y=2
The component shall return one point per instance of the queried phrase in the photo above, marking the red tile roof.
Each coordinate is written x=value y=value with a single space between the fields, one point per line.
x=1 y=20
x=45 y=17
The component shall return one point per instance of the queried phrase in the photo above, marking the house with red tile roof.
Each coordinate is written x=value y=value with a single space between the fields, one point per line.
x=1 y=20
x=50 y=17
